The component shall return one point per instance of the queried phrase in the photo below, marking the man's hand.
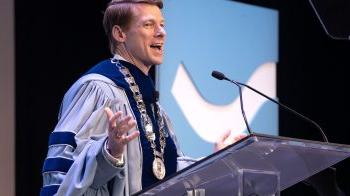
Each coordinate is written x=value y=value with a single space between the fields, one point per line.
x=117 y=132
x=227 y=139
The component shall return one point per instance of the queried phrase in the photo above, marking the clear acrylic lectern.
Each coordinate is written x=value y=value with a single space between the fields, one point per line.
x=256 y=165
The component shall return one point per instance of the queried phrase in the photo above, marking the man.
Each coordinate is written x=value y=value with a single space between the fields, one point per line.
x=112 y=137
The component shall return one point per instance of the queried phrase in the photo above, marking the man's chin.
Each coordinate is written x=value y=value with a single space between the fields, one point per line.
x=157 y=62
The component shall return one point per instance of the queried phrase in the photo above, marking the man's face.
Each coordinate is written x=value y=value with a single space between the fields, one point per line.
x=146 y=35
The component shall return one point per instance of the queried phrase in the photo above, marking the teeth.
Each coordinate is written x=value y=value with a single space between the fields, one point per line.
x=158 y=46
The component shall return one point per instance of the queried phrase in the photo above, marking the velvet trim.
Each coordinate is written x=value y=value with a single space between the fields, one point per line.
x=147 y=89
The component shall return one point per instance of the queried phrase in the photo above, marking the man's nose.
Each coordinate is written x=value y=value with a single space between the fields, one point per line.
x=161 y=31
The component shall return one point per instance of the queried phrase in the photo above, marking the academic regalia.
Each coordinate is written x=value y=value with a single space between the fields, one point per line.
x=76 y=163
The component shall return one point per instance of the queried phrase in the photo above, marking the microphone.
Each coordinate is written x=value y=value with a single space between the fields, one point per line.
x=220 y=76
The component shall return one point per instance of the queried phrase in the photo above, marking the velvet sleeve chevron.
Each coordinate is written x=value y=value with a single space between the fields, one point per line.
x=75 y=164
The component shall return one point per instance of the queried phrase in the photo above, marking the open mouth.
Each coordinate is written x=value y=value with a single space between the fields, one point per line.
x=157 y=46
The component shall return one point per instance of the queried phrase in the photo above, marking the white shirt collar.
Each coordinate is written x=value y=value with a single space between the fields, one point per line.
x=117 y=56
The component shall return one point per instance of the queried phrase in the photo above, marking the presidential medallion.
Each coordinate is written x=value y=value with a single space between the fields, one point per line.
x=158 y=168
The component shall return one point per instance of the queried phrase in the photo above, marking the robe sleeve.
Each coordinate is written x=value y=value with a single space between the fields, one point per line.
x=75 y=164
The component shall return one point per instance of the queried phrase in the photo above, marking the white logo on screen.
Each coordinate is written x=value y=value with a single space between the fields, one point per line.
x=209 y=121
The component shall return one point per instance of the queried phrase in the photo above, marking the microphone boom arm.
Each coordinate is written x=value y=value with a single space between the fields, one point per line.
x=220 y=76
x=241 y=104
x=287 y=108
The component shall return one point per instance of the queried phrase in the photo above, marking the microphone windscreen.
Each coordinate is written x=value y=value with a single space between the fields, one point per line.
x=218 y=75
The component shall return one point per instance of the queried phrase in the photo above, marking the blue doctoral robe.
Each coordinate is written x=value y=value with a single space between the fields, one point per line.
x=76 y=163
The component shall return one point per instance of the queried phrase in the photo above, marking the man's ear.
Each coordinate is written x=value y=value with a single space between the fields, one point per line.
x=118 y=34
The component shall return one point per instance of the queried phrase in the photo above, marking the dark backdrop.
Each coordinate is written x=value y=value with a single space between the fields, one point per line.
x=57 y=41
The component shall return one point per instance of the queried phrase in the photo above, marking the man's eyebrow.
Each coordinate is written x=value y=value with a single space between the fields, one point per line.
x=153 y=20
